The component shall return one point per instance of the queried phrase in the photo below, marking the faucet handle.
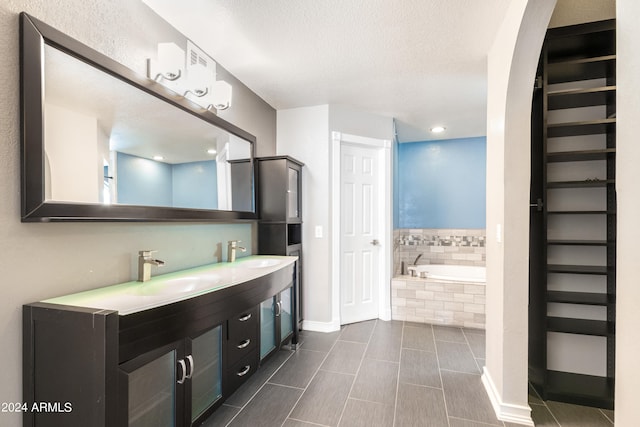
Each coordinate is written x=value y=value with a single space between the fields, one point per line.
x=146 y=253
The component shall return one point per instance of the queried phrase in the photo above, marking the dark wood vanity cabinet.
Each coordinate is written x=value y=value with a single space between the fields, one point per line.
x=170 y=365
x=241 y=348
x=279 y=181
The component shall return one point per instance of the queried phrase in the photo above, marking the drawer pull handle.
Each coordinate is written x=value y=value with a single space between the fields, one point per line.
x=244 y=371
x=191 y=366
x=184 y=371
x=244 y=343
x=245 y=317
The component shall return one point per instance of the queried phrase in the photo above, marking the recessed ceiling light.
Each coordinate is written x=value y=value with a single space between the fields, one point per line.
x=437 y=129
x=158 y=158
x=212 y=151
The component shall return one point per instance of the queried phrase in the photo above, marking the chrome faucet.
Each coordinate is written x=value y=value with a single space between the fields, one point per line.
x=415 y=261
x=144 y=265
x=232 y=248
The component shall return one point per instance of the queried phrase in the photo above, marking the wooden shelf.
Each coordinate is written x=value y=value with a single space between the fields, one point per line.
x=577 y=269
x=582 y=69
x=580 y=389
x=577 y=98
x=581 y=184
x=588 y=127
x=581 y=212
x=599 y=328
x=583 y=298
x=578 y=156
x=577 y=242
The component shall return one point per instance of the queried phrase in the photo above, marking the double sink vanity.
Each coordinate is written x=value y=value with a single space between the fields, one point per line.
x=162 y=352
x=167 y=350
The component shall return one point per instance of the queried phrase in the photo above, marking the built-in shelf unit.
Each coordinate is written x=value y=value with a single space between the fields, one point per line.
x=573 y=217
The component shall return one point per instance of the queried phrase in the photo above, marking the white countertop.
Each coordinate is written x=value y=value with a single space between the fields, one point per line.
x=133 y=297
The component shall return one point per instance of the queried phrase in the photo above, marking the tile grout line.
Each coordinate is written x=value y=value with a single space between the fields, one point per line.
x=258 y=391
x=544 y=403
x=395 y=403
x=310 y=381
x=444 y=396
x=357 y=371
x=475 y=359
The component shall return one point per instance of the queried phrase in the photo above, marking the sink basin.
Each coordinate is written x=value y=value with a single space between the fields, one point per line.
x=179 y=285
x=261 y=263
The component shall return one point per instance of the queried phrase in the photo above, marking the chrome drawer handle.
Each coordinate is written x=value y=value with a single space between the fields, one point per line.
x=245 y=317
x=184 y=371
x=244 y=343
x=244 y=371
x=191 y=366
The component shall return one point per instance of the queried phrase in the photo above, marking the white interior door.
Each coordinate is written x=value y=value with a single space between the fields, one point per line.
x=359 y=241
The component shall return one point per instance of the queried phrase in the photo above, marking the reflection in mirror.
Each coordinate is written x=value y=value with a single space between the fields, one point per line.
x=108 y=142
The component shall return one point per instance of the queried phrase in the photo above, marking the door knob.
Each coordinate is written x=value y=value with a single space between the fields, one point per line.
x=375 y=242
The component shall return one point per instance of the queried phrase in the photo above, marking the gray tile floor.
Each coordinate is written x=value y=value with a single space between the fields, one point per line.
x=379 y=373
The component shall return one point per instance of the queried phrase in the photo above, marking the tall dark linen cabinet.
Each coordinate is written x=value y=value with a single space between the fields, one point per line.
x=279 y=180
x=573 y=217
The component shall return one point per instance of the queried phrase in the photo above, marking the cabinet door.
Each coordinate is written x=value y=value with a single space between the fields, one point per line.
x=286 y=314
x=206 y=371
x=267 y=327
x=150 y=390
x=293 y=193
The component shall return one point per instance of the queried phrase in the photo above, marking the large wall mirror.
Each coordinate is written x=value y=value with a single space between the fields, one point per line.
x=101 y=142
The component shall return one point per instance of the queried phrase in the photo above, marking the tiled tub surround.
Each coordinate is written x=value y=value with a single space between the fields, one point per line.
x=438 y=302
x=438 y=246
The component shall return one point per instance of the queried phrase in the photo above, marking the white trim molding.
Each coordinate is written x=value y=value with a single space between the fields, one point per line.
x=516 y=414
x=311 y=325
x=386 y=236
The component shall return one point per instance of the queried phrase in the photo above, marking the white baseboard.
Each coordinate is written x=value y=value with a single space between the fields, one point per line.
x=311 y=325
x=517 y=414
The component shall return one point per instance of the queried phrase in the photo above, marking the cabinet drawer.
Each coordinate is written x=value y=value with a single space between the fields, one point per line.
x=241 y=347
x=244 y=325
x=240 y=372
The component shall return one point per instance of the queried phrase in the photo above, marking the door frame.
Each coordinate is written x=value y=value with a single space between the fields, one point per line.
x=384 y=222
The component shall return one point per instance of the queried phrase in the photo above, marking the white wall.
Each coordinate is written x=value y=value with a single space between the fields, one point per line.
x=627 y=179
x=71 y=138
x=39 y=261
x=305 y=134
x=512 y=64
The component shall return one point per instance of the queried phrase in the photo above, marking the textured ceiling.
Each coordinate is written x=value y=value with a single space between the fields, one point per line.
x=420 y=61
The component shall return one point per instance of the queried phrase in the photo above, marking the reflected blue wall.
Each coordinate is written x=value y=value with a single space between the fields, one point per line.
x=194 y=185
x=442 y=184
x=150 y=183
x=143 y=181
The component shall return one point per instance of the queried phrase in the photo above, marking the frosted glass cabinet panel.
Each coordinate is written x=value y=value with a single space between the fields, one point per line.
x=293 y=202
x=152 y=392
x=286 y=313
x=206 y=382
x=267 y=327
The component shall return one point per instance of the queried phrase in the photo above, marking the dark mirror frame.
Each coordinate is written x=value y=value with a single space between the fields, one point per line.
x=34 y=35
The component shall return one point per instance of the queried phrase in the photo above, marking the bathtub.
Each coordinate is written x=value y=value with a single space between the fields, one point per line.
x=451 y=295
x=455 y=273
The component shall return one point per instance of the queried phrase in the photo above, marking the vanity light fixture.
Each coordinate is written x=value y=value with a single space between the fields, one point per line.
x=170 y=62
x=220 y=95
x=212 y=151
x=438 y=129
x=199 y=81
x=158 y=158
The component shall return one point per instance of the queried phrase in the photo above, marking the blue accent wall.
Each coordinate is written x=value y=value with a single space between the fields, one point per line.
x=143 y=182
x=442 y=184
x=194 y=185
x=151 y=183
